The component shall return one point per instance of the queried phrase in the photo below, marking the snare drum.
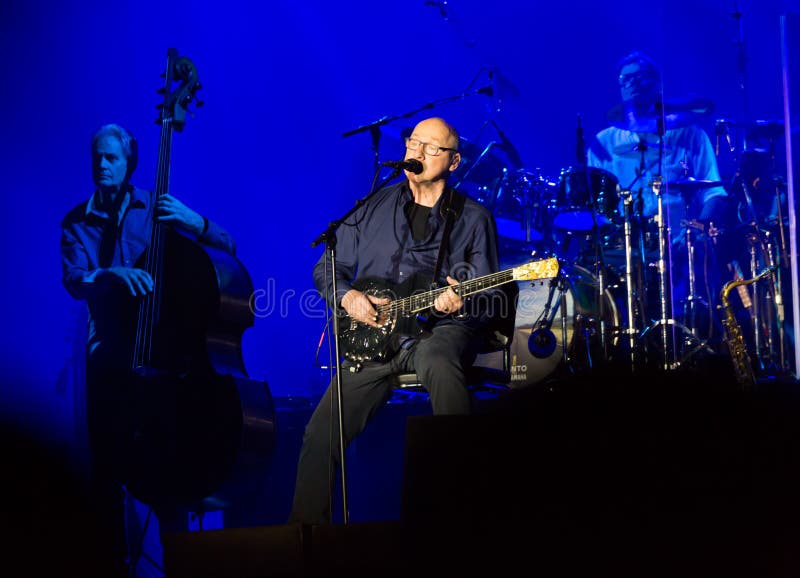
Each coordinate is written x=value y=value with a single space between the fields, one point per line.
x=543 y=325
x=585 y=194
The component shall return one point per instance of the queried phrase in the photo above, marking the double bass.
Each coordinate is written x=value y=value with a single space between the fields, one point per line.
x=196 y=425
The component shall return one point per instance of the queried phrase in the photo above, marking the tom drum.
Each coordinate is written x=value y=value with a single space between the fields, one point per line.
x=585 y=195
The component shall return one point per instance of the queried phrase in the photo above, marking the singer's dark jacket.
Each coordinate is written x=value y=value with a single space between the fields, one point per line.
x=376 y=241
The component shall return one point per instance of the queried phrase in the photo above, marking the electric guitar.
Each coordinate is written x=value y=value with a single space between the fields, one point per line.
x=360 y=342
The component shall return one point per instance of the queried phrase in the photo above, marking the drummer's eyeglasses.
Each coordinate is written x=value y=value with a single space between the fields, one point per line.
x=634 y=77
x=427 y=147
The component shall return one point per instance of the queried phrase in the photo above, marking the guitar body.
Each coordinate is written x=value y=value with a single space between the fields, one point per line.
x=410 y=301
x=363 y=342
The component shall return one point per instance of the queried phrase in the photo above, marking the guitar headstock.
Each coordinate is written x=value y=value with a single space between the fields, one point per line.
x=180 y=70
x=542 y=269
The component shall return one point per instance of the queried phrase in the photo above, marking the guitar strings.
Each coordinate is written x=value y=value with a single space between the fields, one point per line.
x=419 y=302
x=414 y=303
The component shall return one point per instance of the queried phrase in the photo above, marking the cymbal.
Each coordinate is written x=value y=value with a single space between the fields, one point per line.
x=766 y=129
x=756 y=131
x=675 y=113
x=691 y=183
x=635 y=150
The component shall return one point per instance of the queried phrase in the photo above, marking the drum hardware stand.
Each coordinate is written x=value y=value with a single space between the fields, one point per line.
x=601 y=291
x=692 y=299
x=771 y=301
x=690 y=305
x=542 y=341
x=599 y=266
x=599 y=257
x=631 y=330
x=773 y=312
x=754 y=239
x=562 y=289
x=664 y=288
x=774 y=260
x=668 y=337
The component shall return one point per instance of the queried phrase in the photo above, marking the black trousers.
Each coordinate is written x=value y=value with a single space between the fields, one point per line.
x=439 y=359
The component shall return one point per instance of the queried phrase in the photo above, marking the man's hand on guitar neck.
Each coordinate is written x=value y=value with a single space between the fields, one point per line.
x=361 y=307
x=449 y=301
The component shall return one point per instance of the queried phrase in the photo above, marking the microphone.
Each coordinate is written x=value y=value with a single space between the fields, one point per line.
x=410 y=165
x=542 y=342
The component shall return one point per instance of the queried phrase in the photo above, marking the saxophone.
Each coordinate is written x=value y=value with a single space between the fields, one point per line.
x=745 y=375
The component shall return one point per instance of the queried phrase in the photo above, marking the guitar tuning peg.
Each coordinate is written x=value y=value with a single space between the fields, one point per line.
x=199 y=102
x=161 y=90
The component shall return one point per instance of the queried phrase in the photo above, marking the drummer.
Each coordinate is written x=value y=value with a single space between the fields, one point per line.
x=630 y=149
x=648 y=137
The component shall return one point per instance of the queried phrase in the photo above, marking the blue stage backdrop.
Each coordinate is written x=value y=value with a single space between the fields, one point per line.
x=266 y=156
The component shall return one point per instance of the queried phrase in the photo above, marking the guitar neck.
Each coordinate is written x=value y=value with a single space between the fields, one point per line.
x=422 y=301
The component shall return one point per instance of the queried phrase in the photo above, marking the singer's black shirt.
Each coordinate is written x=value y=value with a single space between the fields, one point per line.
x=377 y=241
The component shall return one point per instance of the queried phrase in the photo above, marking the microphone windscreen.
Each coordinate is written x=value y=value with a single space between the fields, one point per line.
x=414 y=166
x=542 y=343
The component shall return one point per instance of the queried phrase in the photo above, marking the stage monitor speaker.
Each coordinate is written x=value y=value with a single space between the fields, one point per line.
x=257 y=552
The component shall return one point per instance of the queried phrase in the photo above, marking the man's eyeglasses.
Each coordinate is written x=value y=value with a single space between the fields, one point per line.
x=428 y=148
x=637 y=77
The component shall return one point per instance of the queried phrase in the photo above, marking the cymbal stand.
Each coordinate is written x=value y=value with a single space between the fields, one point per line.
x=771 y=316
x=627 y=203
x=771 y=300
x=781 y=258
x=692 y=299
x=778 y=291
x=601 y=291
x=600 y=272
x=664 y=289
x=756 y=314
x=664 y=293
x=562 y=292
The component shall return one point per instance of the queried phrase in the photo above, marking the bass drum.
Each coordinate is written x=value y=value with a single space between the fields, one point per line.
x=547 y=317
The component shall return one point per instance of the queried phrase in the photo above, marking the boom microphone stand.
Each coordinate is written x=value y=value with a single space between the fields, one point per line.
x=374 y=127
x=329 y=237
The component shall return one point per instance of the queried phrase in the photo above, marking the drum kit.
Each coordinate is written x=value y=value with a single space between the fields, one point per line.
x=613 y=298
